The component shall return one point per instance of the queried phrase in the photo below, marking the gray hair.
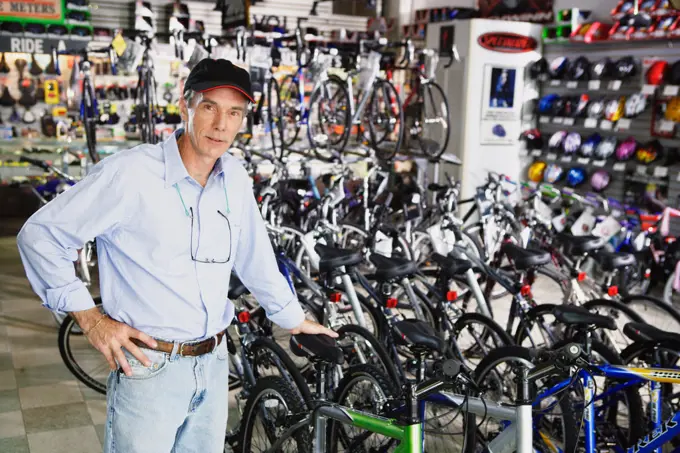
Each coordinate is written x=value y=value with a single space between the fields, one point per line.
x=189 y=96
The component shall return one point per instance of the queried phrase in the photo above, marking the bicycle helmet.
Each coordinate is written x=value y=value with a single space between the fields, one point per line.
x=555 y=142
x=606 y=148
x=635 y=105
x=533 y=139
x=589 y=145
x=535 y=172
x=596 y=109
x=657 y=72
x=569 y=106
x=11 y=27
x=572 y=143
x=673 y=74
x=625 y=68
x=558 y=67
x=673 y=110
x=626 y=149
x=498 y=130
x=4 y=67
x=579 y=69
x=545 y=104
x=581 y=105
x=576 y=176
x=600 y=180
x=558 y=106
x=602 y=69
x=38 y=29
x=613 y=111
x=649 y=152
x=538 y=68
x=59 y=30
x=552 y=173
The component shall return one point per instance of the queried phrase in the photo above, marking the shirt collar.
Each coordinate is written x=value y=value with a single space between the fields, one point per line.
x=175 y=171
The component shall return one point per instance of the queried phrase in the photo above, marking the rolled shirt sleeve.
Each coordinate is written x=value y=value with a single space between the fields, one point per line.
x=256 y=266
x=49 y=240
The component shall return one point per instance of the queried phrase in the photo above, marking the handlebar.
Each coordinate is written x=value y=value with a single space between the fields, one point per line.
x=84 y=53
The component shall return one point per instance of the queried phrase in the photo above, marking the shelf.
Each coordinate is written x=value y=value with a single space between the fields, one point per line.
x=56 y=143
x=609 y=44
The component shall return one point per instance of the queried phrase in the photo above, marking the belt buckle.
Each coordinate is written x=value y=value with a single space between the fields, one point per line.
x=181 y=349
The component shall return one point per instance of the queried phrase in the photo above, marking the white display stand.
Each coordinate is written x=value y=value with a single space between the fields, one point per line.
x=489 y=95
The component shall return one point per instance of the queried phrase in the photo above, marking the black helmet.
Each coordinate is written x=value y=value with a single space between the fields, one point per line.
x=625 y=68
x=579 y=69
x=602 y=69
x=558 y=67
x=538 y=68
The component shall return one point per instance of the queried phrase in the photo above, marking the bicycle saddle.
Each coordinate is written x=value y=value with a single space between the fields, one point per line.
x=332 y=258
x=579 y=316
x=579 y=245
x=451 y=266
x=320 y=348
x=4 y=67
x=6 y=100
x=524 y=259
x=35 y=69
x=418 y=336
x=236 y=288
x=51 y=68
x=640 y=331
x=27 y=98
x=433 y=187
x=21 y=65
x=392 y=268
x=610 y=261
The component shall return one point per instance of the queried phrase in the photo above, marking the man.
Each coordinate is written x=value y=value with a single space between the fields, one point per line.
x=171 y=221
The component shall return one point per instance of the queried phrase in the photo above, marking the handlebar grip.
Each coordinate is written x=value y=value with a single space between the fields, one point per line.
x=38 y=163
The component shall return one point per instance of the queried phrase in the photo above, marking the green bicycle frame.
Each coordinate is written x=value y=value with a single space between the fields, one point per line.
x=409 y=436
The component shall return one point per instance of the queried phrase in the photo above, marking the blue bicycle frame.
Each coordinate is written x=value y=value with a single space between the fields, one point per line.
x=663 y=431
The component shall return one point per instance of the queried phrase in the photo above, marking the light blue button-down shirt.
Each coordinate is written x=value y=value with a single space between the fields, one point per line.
x=134 y=204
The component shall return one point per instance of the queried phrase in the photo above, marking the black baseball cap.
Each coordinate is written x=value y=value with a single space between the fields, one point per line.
x=210 y=74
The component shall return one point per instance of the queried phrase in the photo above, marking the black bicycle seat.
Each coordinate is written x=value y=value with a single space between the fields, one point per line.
x=433 y=187
x=333 y=258
x=321 y=348
x=451 y=266
x=51 y=68
x=392 y=268
x=35 y=69
x=6 y=100
x=610 y=261
x=417 y=335
x=236 y=288
x=640 y=331
x=579 y=245
x=21 y=65
x=581 y=317
x=525 y=259
x=4 y=67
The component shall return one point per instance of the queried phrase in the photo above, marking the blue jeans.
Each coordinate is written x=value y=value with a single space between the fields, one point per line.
x=177 y=405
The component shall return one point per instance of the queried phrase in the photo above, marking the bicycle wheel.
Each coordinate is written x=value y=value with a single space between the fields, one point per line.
x=361 y=347
x=555 y=424
x=386 y=125
x=86 y=363
x=367 y=389
x=289 y=111
x=538 y=328
x=618 y=311
x=433 y=125
x=474 y=335
x=266 y=415
x=274 y=118
x=670 y=295
x=88 y=109
x=655 y=312
x=328 y=123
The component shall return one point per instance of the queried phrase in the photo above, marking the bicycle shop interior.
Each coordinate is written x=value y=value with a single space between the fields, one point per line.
x=451 y=184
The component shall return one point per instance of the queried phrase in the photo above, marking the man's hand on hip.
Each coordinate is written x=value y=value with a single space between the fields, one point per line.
x=109 y=337
x=313 y=328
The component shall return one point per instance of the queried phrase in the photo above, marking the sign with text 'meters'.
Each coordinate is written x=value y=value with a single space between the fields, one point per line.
x=507 y=42
x=47 y=11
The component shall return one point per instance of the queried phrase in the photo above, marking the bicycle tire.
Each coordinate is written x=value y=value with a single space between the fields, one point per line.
x=527 y=322
x=318 y=97
x=668 y=312
x=353 y=376
x=491 y=327
x=385 y=153
x=291 y=90
x=65 y=331
x=524 y=355
x=275 y=127
x=264 y=343
x=386 y=362
x=89 y=102
x=434 y=86
x=272 y=385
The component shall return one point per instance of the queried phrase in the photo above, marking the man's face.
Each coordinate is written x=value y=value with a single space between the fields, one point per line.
x=213 y=119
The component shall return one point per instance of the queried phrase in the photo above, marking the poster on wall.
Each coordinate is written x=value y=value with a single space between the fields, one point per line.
x=501 y=105
x=235 y=13
x=43 y=11
x=539 y=11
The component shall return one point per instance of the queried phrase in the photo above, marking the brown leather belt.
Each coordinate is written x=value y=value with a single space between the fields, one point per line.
x=185 y=349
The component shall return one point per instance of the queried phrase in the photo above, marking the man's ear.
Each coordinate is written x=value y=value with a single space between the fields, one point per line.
x=183 y=109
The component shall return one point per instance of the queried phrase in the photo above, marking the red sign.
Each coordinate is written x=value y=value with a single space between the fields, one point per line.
x=507 y=42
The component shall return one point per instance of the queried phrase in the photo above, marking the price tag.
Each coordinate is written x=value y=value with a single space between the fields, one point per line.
x=648 y=89
x=598 y=163
x=641 y=170
x=551 y=156
x=565 y=159
x=583 y=160
x=660 y=172
x=671 y=90
x=558 y=120
x=572 y=84
x=544 y=120
x=666 y=126
x=606 y=125
x=615 y=85
x=623 y=124
x=620 y=166
x=536 y=152
x=555 y=83
x=594 y=85
x=590 y=123
x=569 y=121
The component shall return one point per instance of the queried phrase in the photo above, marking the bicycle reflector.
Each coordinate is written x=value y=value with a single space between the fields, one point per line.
x=391 y=303
x=581 y=276
x=451 y=296
x=244 y=317
x=657 y=72
x=335 y=297
x=613 y=291
x=525 y=291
